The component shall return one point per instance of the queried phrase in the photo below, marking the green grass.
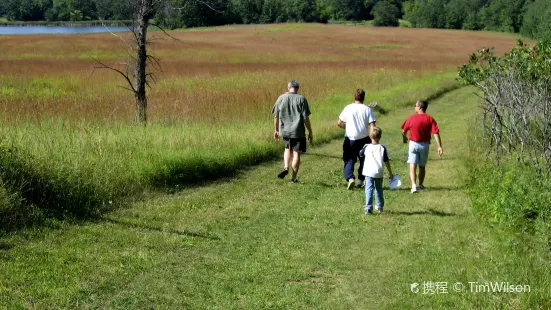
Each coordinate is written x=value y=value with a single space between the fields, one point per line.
x=379 y=46
x=254 y=242
x=351 y=22
x=291 y=27
x=404 y=23
x=68 y=168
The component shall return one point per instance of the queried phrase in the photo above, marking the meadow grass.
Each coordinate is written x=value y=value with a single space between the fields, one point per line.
x=72 y=168
x=68 y=137
x=253 y=241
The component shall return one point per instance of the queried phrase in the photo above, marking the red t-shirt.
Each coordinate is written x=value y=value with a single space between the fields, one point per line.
x=420 y=127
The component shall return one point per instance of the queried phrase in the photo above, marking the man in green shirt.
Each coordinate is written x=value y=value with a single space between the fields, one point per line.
x=291 y=113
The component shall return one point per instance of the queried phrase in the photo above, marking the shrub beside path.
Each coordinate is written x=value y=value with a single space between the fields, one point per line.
x=257 y=242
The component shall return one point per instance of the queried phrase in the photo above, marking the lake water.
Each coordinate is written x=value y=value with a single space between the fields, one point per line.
x=4 y=30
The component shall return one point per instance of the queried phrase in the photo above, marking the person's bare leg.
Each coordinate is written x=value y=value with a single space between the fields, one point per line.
x=296 y=165
x=286 y=158
x=421 y=175
x=412 y=173
x=286 y=161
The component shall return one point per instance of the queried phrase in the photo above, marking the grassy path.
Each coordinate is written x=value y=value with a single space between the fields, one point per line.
x=256 y=242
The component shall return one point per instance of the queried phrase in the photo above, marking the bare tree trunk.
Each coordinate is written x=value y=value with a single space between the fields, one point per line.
x=135 y=72
x=143 y=14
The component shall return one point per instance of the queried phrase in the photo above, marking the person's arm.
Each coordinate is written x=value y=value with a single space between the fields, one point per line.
x=341 y=124
x=309 y=127
x=390 y=174
x=276 y=128
x=404 y=136
x=439 y=143
x=362 y=151
x=372 y=125
x=386 y=160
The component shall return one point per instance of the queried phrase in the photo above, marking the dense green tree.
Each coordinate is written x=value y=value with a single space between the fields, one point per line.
x=26 y=10
x=249 y=11
x=502 y=15
x=82 y=10
x=350 y=10
x=537 y=20
x=273 y=11
x=410 y=10
x=532 y=17
x=463 y=14
x=385 y=14
x=114 y=9
x=302 y=10
x=370 y=5
x=3 y=8
x=433 y=14
x=456 y=13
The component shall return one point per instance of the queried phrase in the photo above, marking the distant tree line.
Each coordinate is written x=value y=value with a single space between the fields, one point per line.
x=529 y=17
x=66 y=10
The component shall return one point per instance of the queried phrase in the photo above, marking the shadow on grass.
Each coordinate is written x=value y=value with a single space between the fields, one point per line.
x=422 y=212
x=323 y=155
x=4 y=246
x=443 y=158
x=327 y=185
x=184 y=232
x=441 y=188
x=36 y=193
x=200 y=171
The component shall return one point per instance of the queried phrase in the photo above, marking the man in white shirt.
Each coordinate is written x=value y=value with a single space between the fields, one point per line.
x=355 y=119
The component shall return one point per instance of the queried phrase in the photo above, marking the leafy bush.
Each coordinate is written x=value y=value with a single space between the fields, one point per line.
x=512 y=186
x=510 y=194
x=516 y=95
x=537 y=20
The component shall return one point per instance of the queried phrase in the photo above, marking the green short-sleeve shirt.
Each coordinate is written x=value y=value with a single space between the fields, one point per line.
x=291 y=109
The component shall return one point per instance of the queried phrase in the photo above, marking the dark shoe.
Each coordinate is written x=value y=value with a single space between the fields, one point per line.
x=283 y=173
x=294 y=181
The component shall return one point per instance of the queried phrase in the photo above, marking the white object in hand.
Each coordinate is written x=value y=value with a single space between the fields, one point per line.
x=394 y=182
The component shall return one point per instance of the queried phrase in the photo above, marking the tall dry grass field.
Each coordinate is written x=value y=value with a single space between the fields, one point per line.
x=67 y=129
x=219 y=73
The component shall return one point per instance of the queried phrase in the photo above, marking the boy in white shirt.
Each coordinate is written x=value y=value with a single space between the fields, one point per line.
x=375 y=155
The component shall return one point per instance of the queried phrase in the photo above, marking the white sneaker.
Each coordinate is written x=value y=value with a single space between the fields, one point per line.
x=413 y=189
x=350 y=185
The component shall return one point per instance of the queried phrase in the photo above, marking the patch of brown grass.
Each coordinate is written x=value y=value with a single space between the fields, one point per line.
x=228 y=73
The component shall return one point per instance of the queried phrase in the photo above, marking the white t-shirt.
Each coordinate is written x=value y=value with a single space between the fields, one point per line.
x=357 y=118
x=375 y=157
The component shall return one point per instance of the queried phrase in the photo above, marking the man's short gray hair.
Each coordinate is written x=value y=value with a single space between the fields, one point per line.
x=293 y=84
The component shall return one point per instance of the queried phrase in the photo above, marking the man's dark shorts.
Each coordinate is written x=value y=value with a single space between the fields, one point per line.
x=295 y=144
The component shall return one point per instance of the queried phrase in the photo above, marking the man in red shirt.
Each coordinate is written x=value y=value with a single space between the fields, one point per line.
x=420 y=126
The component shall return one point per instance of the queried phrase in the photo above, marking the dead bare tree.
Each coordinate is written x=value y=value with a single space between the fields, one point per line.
x=139 y=72
x=135 y=71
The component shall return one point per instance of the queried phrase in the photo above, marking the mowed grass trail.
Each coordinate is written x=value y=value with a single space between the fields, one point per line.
x=257 y=242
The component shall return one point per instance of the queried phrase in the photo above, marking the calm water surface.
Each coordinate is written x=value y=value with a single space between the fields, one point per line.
x=57 y=29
